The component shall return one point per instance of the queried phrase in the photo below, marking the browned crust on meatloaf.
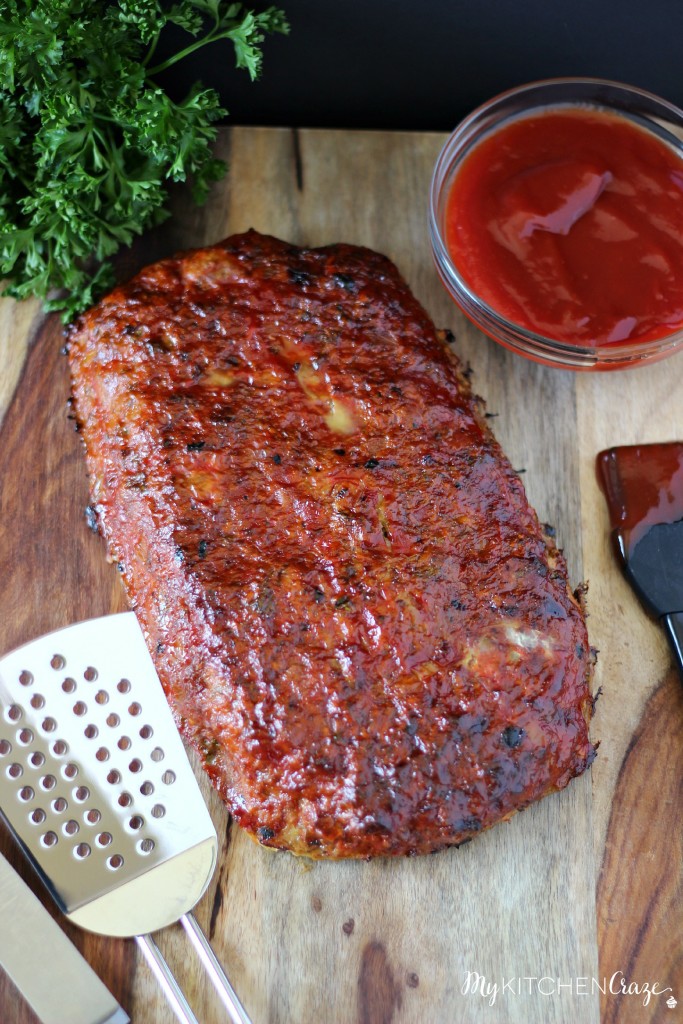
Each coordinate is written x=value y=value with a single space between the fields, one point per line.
x=355 y=614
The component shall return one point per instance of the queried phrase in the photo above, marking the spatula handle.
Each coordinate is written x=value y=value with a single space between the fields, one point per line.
x=673 y=624
x=162 y=972
x=226 y=992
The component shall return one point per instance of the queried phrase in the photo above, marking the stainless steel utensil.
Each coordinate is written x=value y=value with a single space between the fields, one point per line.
x=47 y=969
x=96 y=785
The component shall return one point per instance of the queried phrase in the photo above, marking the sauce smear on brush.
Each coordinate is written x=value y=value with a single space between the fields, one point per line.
x=643 y=485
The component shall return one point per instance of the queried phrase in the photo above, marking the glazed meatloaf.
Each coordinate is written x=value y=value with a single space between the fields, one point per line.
x=356 y=616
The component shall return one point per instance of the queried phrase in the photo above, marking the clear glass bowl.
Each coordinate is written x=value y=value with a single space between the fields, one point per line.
x=646 y=110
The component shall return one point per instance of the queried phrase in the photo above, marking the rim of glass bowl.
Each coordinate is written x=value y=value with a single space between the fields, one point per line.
x=644 y=108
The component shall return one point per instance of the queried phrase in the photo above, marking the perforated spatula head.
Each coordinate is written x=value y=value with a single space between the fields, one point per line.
x=95 y=781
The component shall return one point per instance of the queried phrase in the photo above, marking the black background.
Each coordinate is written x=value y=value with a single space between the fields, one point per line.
x=424 y=65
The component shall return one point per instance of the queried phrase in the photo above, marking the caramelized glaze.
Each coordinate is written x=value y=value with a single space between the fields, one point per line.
x=357 y=618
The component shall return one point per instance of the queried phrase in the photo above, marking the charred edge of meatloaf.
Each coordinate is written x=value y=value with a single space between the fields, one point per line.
x=556 y=559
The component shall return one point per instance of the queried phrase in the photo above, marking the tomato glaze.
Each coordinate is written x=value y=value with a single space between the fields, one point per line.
x=569 y=223
x=356 y=614
x=643 y=485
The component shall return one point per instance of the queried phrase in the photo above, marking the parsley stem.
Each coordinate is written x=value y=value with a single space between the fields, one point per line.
x=197 y=45
x=150 y=52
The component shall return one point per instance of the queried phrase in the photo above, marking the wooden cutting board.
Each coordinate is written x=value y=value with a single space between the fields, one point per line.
x=392 y=942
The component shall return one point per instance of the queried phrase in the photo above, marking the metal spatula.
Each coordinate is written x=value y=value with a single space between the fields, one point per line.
x=96 y=785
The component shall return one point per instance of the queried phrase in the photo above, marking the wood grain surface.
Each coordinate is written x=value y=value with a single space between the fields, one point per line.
x=391 y=942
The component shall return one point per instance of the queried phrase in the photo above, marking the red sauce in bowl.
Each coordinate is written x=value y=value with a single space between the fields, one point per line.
x=569 y=223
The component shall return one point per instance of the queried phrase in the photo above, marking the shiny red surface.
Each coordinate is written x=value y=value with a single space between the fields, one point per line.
x=353 y=609
x=570 y=224
x=643 y=485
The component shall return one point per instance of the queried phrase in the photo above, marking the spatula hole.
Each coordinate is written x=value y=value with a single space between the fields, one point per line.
x=25 y=678
x=136 y=822
x=48 y=783
x=57 y=662
x=158 y=811
x=157 y=754
x=124 y=743
x=91 y=732
x=59 y=805
x=146 y=845
x=26 y=794
x=37 y=701
x=114 y=777
x=134 y=708
x=60 y=748
x=70 y=827
x=38 y=816
x=135 y=765
x=25 y=736
x=123 y=686
x=103 y=839
x=146 y=788
x=70 y=771
x=102 y=697
x=49 y=725
x=13 y=713
x=80 y=708
x=115 y=861
x=81 y=793
x=49 y=839
x=125 y=800
x=37 y=759
x=5 y=747
x=113 y=720
x=93 y=816
x=15 y=771
x=102 y=754
x=168 y=777
x=146 y=732
x=69 y=685
x=90 y=674
x=82 y=851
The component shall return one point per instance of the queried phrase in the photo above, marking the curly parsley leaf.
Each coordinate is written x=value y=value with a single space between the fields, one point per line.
x=88 y=140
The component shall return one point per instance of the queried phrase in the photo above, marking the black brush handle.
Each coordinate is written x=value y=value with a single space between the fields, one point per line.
x=673 y=623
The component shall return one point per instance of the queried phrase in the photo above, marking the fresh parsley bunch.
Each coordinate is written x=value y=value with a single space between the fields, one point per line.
x=88 y=140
